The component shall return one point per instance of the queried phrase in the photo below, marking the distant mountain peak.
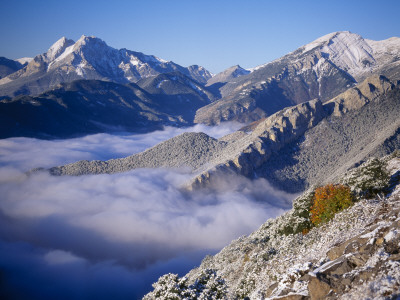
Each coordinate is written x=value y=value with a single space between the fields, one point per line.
x=228 y=74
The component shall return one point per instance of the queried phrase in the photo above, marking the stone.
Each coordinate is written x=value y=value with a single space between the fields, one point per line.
x=292 y=297
x=318 y=289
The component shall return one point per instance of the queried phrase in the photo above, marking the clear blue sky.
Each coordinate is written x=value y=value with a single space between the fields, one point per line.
x=213 y=33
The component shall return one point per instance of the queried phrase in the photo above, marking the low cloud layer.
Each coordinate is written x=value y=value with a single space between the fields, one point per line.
x=27 y=153
x=111 y=236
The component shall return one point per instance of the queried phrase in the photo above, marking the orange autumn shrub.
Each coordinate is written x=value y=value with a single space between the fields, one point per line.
x=328 y=200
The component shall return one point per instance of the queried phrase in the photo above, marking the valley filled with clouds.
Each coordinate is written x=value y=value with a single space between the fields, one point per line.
x=114 y=234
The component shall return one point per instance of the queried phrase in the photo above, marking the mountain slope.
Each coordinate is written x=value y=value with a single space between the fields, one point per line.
x=321 y=69
x=227 y=75
x=89 y=58
x=361 y=124
x=8 y=66
x=90 y=106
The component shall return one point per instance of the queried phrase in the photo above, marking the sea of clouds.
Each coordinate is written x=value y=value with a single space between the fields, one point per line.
x=111 y=236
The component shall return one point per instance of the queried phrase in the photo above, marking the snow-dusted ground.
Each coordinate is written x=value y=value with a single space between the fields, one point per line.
x=356 y=253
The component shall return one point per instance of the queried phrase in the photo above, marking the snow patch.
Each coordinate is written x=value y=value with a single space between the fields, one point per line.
x=80 y=69
x=160 y=83
x=251 y=70
x=391 y=235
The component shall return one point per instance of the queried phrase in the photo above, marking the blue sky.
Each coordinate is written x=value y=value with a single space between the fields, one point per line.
x=214 y=34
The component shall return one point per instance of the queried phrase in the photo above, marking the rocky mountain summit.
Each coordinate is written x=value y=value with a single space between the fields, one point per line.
x=355 y=255
x=321 y=69
x=89 y=58
x=227 y=75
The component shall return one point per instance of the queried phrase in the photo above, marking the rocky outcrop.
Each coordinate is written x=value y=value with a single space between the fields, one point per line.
x=359 y=260
x=360 y=123
x=355 y=98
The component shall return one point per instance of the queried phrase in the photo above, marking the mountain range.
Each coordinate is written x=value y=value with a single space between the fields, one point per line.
x=300 y=146
x=321 y=70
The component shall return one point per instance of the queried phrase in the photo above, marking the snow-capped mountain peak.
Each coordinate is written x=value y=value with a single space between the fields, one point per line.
x=354 y=54
x=228 y=74
x=58 y=48
x=350 y=52
x=319 y=42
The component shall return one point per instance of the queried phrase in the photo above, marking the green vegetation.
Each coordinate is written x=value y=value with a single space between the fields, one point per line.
x=368 y=180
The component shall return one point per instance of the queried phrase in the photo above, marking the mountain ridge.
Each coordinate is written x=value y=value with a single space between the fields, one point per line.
x=278 y=148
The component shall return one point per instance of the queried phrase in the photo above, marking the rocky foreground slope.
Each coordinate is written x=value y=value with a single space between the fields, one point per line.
x=356 y=255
